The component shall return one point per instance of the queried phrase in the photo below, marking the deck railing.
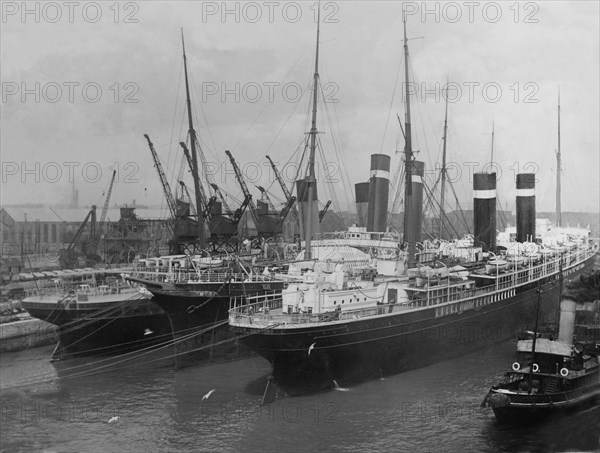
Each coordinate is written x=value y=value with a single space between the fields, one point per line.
x=504 y=279
x=258 y=310
x=549 y=398
x=76 y=290
x=265 y=310
x=191 y=276
x=69 y=302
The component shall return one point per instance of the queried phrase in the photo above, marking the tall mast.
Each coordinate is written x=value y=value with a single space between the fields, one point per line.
x=558 y=169
x=443 y=185
x=492 y=151
x=192 y=133
x=311 y=180
x=408 y=156
x=535 y=332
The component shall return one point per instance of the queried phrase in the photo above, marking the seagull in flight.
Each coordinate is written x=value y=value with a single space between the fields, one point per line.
x=311 y=347
x=207 y=396
x=114 y=419
x=337 y=387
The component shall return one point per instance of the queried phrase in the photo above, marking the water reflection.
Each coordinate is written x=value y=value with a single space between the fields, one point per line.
x=577 y=431
x=158 y=408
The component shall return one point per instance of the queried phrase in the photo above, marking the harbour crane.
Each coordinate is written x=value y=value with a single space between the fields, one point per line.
x=213 y=199
x=324 y=211
x=216 y=220
x=247 y=195
x=194 y=170
x=188 y=198
x=105 y=208
x=183 y=230
x=290 y=199
x=163 y=180
x=67 y=257
x=96 y=234
x=265 y=195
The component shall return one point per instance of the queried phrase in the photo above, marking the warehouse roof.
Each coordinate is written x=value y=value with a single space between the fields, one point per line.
x=75 y=215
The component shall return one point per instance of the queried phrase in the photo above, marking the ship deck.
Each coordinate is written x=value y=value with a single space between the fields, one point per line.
x=90 y=301
x=192 y=277
x=265 y=311
x=275 y=317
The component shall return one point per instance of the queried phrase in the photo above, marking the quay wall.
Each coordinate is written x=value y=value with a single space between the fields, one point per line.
x=26 y=333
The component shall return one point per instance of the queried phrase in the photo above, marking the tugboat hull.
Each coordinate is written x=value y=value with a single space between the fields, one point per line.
x=528 y=409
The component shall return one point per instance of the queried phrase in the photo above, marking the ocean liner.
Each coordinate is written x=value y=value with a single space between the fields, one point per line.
x=332 y=330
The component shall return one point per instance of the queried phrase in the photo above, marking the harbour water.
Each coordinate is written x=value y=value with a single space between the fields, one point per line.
x=72 y=407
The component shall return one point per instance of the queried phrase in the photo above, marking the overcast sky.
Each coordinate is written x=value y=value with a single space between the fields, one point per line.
x=82 y=83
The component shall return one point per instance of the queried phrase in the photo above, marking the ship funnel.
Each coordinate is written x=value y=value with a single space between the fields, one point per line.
x=378 y=192
x=304 y=204
x=414 y=204
x=484 y=210
x=567 y=321
x=526 y=207
x=361 y=191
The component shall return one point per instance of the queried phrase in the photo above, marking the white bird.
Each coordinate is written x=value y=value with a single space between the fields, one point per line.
x=205 y=397
x=311 y=347
x=114 y=419
x=338 y=388
x=148 y=332
x=145 y=292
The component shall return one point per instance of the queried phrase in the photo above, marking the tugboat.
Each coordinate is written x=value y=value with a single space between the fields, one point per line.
x=549 y=376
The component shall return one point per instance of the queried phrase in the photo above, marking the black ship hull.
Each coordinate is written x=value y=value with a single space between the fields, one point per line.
x=116 y=328
x=198 y=314
x=313 y=358
x=532 y=409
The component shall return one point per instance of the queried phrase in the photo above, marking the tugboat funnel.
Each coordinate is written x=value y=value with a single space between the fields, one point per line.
x=567 y=321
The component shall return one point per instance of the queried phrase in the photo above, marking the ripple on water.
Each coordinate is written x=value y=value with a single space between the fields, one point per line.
x=430 y=409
